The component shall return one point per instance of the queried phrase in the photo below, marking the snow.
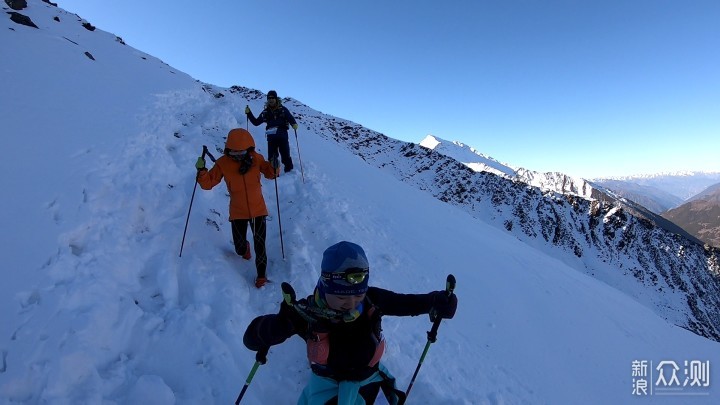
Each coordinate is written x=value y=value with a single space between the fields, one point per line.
x=98 y=307
x=468 y=156
x=478 y=162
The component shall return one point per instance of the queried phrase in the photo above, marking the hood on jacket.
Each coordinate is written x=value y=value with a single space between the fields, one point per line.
x=239 y=139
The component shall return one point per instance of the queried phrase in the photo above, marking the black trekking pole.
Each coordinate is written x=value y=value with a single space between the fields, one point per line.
x=302 y=172
x=260 y=359
x=432 y=333
x=205 y=152
x=276 y=166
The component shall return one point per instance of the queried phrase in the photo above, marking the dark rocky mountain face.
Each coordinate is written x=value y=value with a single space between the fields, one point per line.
x=700 y=216
x=626 y=247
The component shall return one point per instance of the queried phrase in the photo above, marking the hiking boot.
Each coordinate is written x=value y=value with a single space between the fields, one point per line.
x=288 y=168
x=260 y=281
x=247 y=255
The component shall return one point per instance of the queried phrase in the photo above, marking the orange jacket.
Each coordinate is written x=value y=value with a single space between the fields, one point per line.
x=246 y=198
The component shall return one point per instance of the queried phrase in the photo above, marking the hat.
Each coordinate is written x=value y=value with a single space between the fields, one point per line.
x=239 y=139
x=272 y=93
x=344 y=270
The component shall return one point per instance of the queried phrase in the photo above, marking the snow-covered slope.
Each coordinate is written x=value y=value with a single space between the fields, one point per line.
x=99 y=308
x=616 y=241
x=633 y=203
x=468 y=156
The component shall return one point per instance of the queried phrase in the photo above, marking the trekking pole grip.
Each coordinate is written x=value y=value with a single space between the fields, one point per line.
x=450 y=285
x=288 y=293
x=450 y=290
x=206 y=151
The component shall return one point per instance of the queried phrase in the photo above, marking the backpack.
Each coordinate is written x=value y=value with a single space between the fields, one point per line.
x=318 y=341
x=277 y=116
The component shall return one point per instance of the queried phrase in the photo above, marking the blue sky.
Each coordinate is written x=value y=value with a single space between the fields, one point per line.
x=587 y=88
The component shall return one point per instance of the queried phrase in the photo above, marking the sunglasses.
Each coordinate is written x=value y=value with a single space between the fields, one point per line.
x=237 y=153
x=352 y=276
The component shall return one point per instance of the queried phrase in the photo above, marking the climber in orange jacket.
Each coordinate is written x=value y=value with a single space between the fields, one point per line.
x=241 y=167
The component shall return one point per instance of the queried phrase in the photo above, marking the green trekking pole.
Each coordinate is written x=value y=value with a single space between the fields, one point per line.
x=260 y=359
x=261 y=356
x=432 y=333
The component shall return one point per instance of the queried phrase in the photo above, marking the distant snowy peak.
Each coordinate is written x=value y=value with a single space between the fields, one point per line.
x=682 y=173
x=682 y=185
x=468 y=156
x=478 y=162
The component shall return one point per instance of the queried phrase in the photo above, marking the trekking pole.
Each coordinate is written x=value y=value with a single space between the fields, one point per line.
x=260 y=359
x=261 y=356
x=432 y=333
x=205 y=152
x=302 y=172
x=277 y=199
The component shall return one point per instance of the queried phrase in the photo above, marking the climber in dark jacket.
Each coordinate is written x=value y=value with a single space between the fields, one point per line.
x=341 y=324
x=277 y=119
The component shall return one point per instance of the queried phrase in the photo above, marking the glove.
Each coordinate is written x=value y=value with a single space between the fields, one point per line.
x=247 y=110
x=443 y=306
x=295 y=126
x=275 y=163
x=261 y=355
x=289 y=317
x=287 y=312
x=200 y=164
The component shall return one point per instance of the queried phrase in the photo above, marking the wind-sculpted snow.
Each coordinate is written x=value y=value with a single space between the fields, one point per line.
x=676 y=277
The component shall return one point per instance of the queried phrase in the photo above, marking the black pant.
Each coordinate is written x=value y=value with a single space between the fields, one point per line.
x=259 y=231
x=279 y=144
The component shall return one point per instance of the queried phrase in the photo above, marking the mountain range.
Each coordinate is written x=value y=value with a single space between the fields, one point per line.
x=687 y=199
x=700 y=215
x=662 y=199
x=581 y=218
